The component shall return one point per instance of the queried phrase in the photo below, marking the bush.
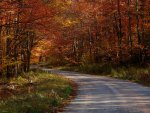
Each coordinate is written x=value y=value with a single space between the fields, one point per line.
x=67 y=91
x=144 y=78
x=132 y=73
x=96 y=69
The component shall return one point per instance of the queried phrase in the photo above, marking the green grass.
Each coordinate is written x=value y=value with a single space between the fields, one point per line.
x=132 y=73
x=136 y=74
x=89 y=69
x=45 y=94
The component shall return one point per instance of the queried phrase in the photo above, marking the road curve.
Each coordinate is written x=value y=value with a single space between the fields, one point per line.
x=106 y=95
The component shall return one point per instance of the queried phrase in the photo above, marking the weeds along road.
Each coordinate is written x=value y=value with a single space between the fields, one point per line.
x=106 y=95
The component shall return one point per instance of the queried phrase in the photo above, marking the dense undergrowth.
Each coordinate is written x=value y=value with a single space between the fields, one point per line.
x=34 y=92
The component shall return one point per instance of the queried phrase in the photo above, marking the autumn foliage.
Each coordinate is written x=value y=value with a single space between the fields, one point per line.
x=73 y=32
x=102 y=31
x=22 y=24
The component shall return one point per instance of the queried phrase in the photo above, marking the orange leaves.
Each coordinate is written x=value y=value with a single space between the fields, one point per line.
x=97 y=28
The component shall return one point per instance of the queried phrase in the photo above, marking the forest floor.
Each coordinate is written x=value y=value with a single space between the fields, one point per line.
x=35 y=92
x=100 y=94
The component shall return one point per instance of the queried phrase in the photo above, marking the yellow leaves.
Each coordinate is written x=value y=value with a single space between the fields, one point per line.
x=63 y=5
x=66 y=22
x=42 y=47
x=9 y=62
x=69 y=22
x=69 y=2
x=9 y=37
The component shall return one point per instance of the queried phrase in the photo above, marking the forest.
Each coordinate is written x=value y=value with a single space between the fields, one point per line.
x=73 y=32
x=100 y=37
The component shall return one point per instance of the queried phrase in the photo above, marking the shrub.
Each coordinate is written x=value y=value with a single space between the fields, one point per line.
x=96 y=69
x=144 y=78
x=67 y=91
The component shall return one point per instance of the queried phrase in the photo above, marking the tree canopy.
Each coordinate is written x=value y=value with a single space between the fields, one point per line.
x=73 y=32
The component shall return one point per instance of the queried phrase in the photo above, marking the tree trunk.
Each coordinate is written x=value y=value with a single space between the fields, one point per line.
x=129 y=26
x=137 y=22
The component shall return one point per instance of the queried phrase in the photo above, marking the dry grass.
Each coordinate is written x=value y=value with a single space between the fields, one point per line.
x=34 y=93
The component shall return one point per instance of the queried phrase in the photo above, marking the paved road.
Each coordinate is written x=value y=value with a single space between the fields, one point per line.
x=106 y=95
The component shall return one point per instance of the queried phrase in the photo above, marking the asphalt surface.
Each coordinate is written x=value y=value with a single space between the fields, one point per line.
x=106 y=95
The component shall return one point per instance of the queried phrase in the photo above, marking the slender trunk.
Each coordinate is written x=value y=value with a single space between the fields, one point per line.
x=129 y=26
x=28 y=61
x=1 y=50
x=120 y=34
x=137 y=22
x=90 y=43
x=16 y=51
x=138 y=30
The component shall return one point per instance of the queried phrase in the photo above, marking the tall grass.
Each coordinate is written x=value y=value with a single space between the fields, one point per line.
x=44 y=94
x=137 y=74
x=133 y=73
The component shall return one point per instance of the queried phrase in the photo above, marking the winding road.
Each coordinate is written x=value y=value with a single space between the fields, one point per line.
x=98 y=94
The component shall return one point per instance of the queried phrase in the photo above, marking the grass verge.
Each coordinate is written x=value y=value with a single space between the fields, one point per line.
x=35 y=92
x=136 y=74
